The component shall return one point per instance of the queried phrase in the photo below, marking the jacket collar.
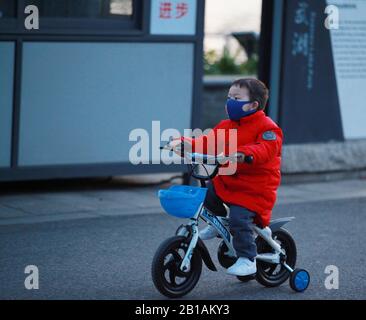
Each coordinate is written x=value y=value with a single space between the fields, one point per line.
x=255 y=116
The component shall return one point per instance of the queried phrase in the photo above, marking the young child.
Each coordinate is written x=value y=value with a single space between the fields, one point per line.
x=251 y=191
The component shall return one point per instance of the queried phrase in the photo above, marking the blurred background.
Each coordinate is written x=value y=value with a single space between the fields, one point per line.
x=231 y=38
x=78 y=77
x=72 y=72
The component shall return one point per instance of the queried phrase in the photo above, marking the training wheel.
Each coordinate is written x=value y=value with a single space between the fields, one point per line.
x=299 y=280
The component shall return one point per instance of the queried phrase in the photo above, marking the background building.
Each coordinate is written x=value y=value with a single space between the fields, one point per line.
x=72 y=90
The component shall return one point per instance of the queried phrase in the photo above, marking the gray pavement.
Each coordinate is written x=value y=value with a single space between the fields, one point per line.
x=96 y=240
x=130 y=195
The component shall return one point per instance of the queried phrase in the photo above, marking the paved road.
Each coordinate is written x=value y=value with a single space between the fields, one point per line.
x=110 y=257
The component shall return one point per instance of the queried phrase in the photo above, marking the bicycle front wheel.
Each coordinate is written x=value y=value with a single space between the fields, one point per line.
x=165 y=271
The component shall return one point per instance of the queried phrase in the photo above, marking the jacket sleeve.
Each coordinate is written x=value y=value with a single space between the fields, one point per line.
x=267 y=146
x=207 y=143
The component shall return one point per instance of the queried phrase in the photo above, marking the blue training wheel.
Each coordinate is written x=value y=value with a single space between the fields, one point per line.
x=299 y=280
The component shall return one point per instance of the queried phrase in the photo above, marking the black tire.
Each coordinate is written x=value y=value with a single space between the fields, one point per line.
x=167 y=259
x=246 y=278
x=299 y=280
x=273 y=275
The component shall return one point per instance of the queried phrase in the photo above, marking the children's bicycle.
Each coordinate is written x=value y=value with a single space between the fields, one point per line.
x=177 y=264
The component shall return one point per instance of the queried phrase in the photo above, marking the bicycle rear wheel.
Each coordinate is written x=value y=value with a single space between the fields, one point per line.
x=273 y=275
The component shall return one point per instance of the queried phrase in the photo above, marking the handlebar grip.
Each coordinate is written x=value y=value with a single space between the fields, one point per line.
x=248 y=159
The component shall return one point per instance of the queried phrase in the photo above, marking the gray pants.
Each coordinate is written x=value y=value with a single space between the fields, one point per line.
x=240 y=223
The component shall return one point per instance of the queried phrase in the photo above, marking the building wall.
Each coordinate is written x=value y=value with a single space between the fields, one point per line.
x=6 y=100
x=79 y=101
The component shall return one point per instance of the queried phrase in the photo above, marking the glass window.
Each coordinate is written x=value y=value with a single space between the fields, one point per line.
x=83 y=8
x=120 y=7
x=7 y=8
x=76 y=17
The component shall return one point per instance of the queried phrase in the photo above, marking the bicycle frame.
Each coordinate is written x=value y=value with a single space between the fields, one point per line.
x=187 y=236
x=221 y=224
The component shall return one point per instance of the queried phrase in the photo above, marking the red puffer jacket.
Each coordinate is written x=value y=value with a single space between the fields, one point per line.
x=253 y=185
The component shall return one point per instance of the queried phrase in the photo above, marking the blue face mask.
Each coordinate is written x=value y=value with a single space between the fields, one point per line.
x=235 y=109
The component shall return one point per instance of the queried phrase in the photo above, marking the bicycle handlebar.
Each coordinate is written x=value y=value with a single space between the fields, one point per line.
x=201 y=158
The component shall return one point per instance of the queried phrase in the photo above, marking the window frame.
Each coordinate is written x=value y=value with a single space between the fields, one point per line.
x=113 y=25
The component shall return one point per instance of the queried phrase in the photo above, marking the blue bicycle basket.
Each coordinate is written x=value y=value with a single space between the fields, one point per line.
x=182 y=201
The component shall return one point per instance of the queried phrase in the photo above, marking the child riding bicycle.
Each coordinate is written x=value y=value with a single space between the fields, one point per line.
x=251 y=191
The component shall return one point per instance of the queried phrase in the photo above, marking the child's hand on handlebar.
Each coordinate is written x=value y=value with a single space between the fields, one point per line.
x=242 y=158
x=238 y=157
x=177 y=146
x=174 y=143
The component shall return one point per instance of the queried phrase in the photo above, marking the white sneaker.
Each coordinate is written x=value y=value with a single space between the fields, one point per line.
x=208 y=233
x=243 y=267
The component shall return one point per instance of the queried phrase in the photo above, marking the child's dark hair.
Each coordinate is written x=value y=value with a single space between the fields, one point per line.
x=257 y=90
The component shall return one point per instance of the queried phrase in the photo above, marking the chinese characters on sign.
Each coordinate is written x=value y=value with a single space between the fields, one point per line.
x=300 y=44
x=166 y=10
x=300 y=41
x=301 y=13
x=173 y=17
x=303 y=39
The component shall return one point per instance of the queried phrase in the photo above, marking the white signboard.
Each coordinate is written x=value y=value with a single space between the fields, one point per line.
x=348 y=38
x=175 y=17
